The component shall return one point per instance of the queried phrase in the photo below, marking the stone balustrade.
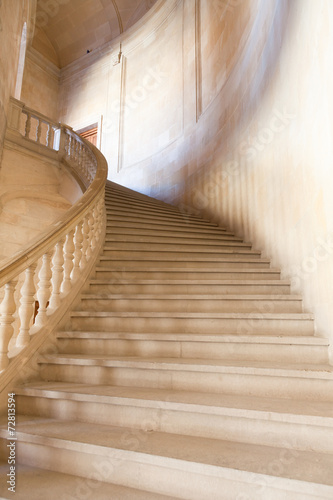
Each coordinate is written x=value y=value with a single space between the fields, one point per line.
x=36 y=281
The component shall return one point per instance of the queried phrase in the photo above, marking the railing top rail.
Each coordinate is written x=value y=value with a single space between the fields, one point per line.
x=13 y=266
x=37 y=114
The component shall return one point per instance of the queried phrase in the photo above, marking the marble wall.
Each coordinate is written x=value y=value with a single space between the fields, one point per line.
x=225 y=108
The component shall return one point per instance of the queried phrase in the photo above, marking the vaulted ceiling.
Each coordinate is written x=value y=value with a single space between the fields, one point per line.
x=67 y=29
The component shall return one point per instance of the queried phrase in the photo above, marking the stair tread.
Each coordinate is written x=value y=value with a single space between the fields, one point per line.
x=144 y=296
x=171 y=450
x=197 y=337
x=195 y=282
x=186 y=260
x=165 y=234
x=303 y=370
x=247 y=407
x=209 y=315
x=188 y=250
x=34 y=483
x=191 y=269
x=158 y=240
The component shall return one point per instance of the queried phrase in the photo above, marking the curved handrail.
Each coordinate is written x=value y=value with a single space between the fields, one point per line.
x=45 y=271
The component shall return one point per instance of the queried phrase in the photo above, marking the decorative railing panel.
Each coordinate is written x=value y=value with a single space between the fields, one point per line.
x=35 y=282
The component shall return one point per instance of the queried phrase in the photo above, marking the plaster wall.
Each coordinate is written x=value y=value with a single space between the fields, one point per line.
x=12 y=18
x=40 y=88
x=225 y=108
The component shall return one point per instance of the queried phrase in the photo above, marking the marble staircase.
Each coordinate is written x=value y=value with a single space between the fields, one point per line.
x=187 y=370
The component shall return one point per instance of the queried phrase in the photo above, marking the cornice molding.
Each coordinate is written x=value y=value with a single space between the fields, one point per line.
x=43 y=63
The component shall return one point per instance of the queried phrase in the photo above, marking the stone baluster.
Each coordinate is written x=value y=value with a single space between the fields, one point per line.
x=85 y=243
x=27 y=307
x=79 y=155
x=7 y=311
x=57 y=275
x=68 y=262
x=78 y=240
x=88 y=232
x=50 y=136
x=67 y=144
x=38 y=131
x=85 y=165
x=44 y=289
x=28 y=126
x=72 y=148
x=100 y=215
x=92 y=225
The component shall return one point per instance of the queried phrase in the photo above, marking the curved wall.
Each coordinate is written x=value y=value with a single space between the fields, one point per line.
x=225 y=108
x=13 y=15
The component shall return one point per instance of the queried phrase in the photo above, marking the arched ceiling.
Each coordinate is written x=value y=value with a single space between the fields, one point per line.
x=67 y=29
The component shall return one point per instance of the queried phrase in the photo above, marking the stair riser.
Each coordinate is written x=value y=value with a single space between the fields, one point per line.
x=127 y=204
x=119 y=287
x=118 y=220
x=114 y=196
x=174 y=247
x=166 y=324
x=147 y=212
x=146 y=215
x=178 y=255
x=218 y=264
x=241 y=384
x=187 y=305
x=118 y=223
x=179 y=480
x=150 y=209
x=195 y=350
x=183 y=275
x=168 y=236
x=201 y=424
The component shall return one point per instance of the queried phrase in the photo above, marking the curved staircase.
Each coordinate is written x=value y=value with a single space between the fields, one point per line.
x=187 y=370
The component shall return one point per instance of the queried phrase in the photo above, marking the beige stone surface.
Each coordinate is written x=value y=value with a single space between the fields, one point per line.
x=75 y=26
x=34 y=192
x=247 y=141
x=40 y=89
x=157 y=393
x=12 y=18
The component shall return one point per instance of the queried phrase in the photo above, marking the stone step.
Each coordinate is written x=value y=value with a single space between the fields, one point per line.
x=186 y=247
x=191 y=303
x=184 y=262
x=260 y=379
x=137 y=206
x=169 y=237
x=261 y=421
x=194 y=273
x=209 y=287
x=162 y=253
x=118 y=223
x=179 y=466
x=136 y=197
x=118 y=199
x=147 y=215
x=188 y=345
x=33 y=483
x=171 y=223
x=240 y=323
